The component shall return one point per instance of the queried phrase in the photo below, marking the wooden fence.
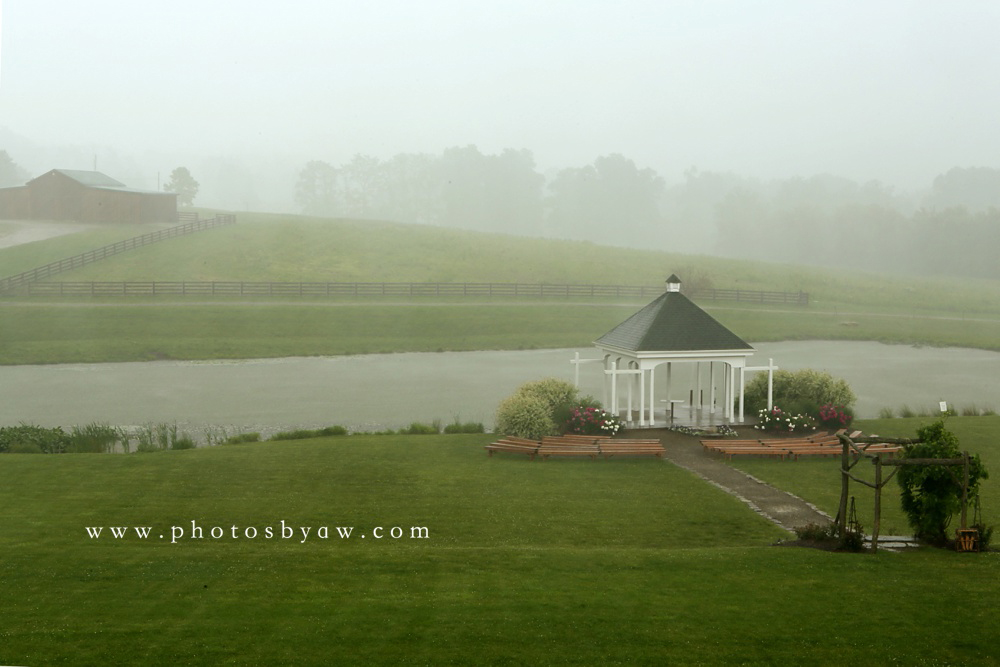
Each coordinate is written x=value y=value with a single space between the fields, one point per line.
x=42 y=272
x=398 y=290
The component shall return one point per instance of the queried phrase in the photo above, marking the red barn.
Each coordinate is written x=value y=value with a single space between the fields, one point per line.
x=85 y=196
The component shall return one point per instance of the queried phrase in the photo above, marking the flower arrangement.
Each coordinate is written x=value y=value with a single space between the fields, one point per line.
x=835 y=416
x=777 y=421
x=592 y=421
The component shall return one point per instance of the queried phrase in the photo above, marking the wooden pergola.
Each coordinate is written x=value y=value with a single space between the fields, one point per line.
x=668 y=331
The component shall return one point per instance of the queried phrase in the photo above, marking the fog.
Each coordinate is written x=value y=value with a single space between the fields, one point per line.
x=700 y=122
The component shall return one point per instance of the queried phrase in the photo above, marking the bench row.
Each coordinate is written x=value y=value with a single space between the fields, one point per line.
x=588 y=446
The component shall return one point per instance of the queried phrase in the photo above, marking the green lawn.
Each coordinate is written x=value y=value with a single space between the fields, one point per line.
x=563 y=562
x=262 y=247
x=818 y=480
x=145 y=330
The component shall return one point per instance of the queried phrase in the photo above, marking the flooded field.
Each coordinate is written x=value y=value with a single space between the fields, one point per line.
x=375 y=392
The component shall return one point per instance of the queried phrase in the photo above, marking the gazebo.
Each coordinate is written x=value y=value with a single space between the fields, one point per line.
x=668 y=331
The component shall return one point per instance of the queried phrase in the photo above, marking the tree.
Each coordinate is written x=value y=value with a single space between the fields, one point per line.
x=612 y=196
x=10 y=172
x=931 y=494
x=184 y=185
x=316 y=189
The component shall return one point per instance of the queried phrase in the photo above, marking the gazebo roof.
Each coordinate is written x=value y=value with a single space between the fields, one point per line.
x=672 y=323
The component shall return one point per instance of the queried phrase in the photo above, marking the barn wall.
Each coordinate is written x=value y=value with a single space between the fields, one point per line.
x=54 y=196
x=15 y=204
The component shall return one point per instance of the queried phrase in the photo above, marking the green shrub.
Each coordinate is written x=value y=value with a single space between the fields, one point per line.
x=930 y=494
x=803 y=391
x=416 y=428
x=183 y=442
x=24 y=448
x=48 y=440
x=333 y=430
x=536 y=409
x=93 y=438
x=525 y=415
x=241 y=438
x=297 y=434
x=467 y=427
x=886 y=413
x=560 y=397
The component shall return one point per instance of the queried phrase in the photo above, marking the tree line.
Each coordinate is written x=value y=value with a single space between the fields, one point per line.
x=951 y=228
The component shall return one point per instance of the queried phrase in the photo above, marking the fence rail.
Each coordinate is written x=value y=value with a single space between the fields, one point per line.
x=398 y=290
x=91 y=256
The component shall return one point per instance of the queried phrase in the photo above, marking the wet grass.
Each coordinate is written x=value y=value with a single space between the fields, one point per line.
x=818 y=480
x=270 y=247
x=565 y=562
x=57 y=334
x=142 y=331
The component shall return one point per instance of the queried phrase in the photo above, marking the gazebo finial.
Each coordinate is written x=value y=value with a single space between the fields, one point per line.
x=673 y=283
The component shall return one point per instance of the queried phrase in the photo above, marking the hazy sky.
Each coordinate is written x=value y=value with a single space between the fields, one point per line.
x=870 y=89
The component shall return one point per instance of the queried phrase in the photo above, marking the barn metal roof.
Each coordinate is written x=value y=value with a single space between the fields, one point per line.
x=92 y=179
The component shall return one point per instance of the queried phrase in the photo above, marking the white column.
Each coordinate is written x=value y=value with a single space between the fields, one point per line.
x=711 y=383
x=743 y=382
x=642 y=397
x=697 y=384
x=604 y=385
x=614 y=388
x=727 y=405
x=732 y=394
x=770 y=384
x=576 y=372
x=652 y=403
x=631 y=386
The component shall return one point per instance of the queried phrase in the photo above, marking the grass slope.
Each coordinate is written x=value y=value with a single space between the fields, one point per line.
x=565 y=562
x=849 y=306
x=267 y=247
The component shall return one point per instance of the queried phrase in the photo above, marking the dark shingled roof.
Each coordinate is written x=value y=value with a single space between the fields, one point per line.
x=672 y=323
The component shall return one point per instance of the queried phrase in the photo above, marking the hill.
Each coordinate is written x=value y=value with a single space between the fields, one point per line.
x=268 y=247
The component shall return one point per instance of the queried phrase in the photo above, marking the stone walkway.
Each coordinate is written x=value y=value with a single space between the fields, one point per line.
x=784 y=509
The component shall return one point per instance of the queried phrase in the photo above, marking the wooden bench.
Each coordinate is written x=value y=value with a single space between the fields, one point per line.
x=750 y=450
x=515 y=445
x=626 y=447
x=569 y=446
x=813 y=450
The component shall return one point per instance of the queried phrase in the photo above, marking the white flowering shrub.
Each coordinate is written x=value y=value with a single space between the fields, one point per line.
x=525 y=415
x=777 y=421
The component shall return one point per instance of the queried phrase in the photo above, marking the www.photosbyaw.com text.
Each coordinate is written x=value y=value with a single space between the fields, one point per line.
x=282 y=531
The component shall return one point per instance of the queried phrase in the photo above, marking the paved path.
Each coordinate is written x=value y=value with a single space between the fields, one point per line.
x=788 y=511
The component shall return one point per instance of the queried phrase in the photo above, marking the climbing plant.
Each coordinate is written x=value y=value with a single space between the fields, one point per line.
x=932 y=494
